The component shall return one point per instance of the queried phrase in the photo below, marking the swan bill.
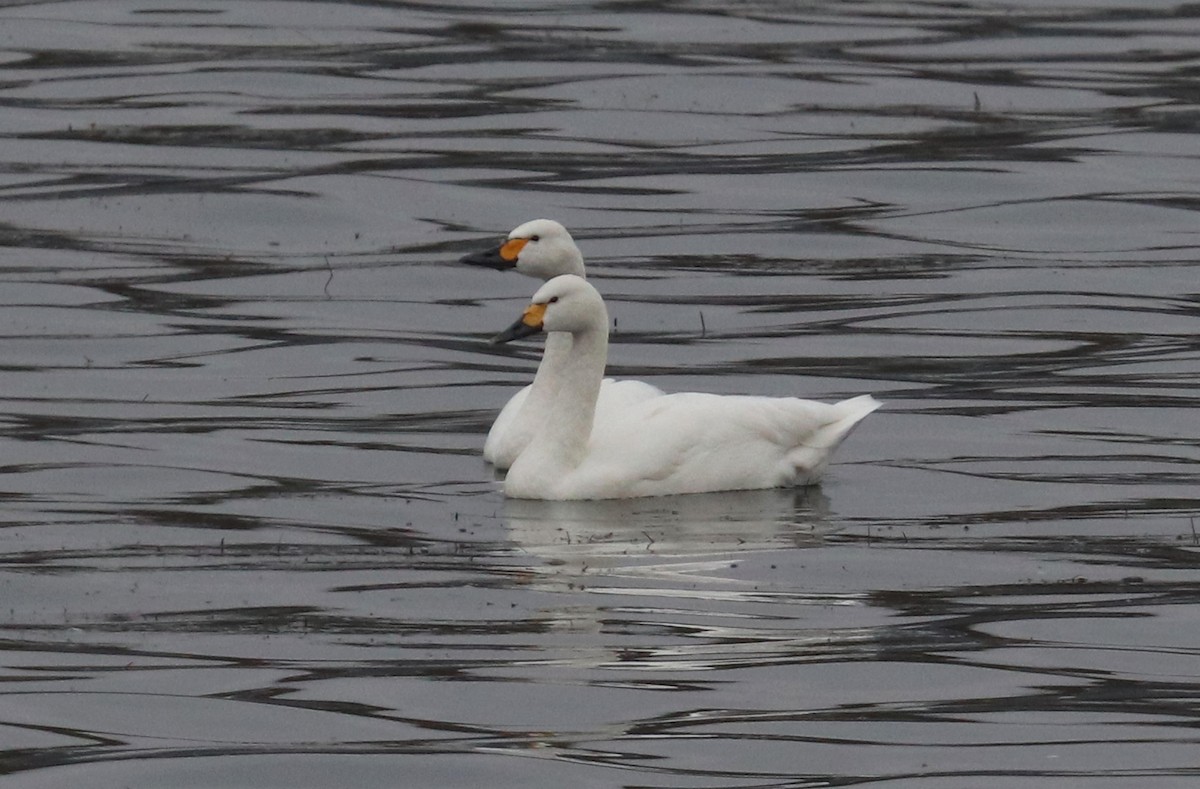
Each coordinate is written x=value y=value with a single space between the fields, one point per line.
x=501 y=258
x=530 y=323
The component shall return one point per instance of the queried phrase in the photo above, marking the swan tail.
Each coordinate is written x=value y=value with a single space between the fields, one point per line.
x=850 y=413
x=811 y=458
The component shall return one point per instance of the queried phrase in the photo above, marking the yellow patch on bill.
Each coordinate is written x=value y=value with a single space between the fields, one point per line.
x=511 y=248
x=533 y=316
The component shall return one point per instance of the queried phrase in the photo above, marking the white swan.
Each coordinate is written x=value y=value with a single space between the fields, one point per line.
x=544 y=249
x=675 y=443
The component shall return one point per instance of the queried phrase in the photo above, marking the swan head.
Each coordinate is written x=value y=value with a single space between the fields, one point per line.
x=566 y=303
x=539 y=248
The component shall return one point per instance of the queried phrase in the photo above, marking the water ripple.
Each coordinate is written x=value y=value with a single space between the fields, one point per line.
x=247 y=534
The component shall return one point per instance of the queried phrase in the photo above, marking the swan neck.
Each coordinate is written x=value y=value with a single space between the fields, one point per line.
x=568 y=424
x=549 y=372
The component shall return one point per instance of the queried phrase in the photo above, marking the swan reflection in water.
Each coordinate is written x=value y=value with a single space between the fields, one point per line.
x=695 y=571
x=615 y=533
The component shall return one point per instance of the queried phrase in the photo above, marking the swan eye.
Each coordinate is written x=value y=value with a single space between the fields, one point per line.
x=553 y=300
x=535 y=238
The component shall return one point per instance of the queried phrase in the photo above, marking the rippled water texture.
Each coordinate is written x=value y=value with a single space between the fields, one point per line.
x=247 y=538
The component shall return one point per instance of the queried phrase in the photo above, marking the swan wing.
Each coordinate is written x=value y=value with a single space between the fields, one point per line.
x=513 y=429
x=617 y=397
x=694 y=442
x=506 y=439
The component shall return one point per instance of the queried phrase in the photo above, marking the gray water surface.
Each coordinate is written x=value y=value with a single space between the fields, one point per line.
x=247 y=537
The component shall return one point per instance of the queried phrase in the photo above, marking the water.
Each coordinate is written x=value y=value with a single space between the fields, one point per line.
x=247 y=536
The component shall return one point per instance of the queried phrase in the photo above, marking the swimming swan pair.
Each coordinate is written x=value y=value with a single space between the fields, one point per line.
x=544 y=249
x=572 y=434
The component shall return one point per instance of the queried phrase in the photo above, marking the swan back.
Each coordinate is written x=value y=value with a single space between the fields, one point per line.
x=695 y=442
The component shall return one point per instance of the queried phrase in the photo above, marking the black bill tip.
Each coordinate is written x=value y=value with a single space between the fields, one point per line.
x=517 y=331
x=489 y=259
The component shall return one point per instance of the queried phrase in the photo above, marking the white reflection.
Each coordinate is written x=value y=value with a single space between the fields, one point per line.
x=620 y=532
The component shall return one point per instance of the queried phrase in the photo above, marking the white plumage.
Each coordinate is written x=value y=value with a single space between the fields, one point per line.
x=661 y=444
x=543 y=248
x=522 y=415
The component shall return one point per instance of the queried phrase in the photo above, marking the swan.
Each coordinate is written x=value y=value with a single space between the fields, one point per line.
x=544 y=249
x=688 y=442
x=540 y=248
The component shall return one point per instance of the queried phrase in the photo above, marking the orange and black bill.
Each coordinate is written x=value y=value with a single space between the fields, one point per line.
x=500 y=258
x=530 y=323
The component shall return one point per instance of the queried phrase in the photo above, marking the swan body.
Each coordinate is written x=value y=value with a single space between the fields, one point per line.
x=674 y=443
x=544 y=249
x=516 y=423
